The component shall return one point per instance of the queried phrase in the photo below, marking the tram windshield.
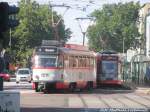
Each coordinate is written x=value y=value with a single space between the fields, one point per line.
x=109 y=67
x=45 y=61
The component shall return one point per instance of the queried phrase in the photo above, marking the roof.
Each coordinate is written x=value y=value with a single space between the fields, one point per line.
x=76 y=47
x=77 y=52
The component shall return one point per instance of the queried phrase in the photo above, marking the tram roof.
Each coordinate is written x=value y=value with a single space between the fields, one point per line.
x=77 y=52
x=66 y=50
x=99 y=54
x=107 y=52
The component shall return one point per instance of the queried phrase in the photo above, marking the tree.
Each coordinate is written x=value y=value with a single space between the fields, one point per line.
x=35 y=26
x=115 y=24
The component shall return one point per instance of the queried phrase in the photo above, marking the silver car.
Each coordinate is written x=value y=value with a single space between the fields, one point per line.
x=23 y=74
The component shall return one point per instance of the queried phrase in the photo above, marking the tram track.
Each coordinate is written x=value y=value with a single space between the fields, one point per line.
x=101 y=99
x=135 y=101
x=147 y=98
x=83 y=101
x=124 y=105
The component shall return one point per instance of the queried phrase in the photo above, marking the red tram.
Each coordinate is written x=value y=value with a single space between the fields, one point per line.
x=66 y=67
x=108 y=68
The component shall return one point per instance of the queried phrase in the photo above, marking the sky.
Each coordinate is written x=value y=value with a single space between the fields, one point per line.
x=78 y=9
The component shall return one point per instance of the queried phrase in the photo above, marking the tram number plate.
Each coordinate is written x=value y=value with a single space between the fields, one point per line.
x=44 y=75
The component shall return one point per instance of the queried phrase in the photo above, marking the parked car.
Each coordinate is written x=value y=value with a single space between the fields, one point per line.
x=23 y=74
x=5 y=76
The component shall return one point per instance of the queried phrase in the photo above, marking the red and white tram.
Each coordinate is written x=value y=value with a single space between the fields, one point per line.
x=108 y=68
x=69 y=67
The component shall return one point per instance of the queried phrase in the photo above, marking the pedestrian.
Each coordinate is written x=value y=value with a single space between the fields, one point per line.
x=1 y=64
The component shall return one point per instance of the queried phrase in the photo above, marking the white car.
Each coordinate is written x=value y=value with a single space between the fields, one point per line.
x=23 y=74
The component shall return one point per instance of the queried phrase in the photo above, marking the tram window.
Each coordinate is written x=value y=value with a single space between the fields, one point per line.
x=65 y=57
x=88 y=62
x=77 y=61
x=91 y=62
x=60 y=61
x=47 y=61
x=66 y=62
x=70 y=61
x=109 y=67
x=80 y=62
x=83 y=62
x=74 y=62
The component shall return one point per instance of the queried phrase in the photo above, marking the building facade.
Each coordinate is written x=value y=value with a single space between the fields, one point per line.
x=144 y=27
x=143 y=12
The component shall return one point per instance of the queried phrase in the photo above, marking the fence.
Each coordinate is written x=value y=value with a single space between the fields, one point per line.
x=135 y=71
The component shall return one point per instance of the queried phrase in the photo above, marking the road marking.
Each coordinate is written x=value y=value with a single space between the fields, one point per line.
x=74 y=101
x=143 y=102
x=112 y=102
x=92 y=101
x=144 y=96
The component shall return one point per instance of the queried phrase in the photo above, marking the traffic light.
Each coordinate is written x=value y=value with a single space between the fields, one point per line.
x=3 y=16
x=7 y=16
x=12 y=22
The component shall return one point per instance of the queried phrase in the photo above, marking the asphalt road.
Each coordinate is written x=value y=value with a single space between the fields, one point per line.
x=85 y=101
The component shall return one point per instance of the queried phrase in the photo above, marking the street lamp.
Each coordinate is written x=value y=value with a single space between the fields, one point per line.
x=123 y=45
x=83 y=31
x=10 y=38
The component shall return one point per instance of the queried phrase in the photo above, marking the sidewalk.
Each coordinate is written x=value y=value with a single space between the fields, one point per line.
x=143 y=90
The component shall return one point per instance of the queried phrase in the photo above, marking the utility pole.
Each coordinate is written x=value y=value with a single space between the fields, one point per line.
x=85 y=30
x=55 y=24
x=10 y=38
x=123 y=49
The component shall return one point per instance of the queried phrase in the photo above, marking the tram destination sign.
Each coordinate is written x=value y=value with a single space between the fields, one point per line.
x=109 y=57
x=46 y=50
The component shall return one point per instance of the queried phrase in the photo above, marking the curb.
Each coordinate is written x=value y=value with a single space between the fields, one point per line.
x=114 y=91
x=144 y=91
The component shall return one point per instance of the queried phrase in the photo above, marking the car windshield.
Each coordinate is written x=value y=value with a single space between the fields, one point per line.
x=23 y=72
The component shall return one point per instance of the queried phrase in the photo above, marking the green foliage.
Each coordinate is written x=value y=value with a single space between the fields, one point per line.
x=35 y=26
x=114 y=23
